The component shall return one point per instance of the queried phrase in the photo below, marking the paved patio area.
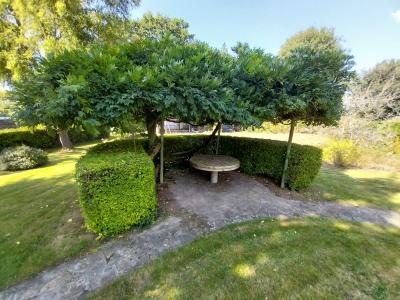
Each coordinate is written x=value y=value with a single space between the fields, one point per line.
x=192 y=206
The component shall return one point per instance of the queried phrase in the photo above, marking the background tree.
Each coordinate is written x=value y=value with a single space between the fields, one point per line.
x=158 y=27
x=376 y=95
x=52 y=95
x=5 y=104
x=149 y=26
x=314 y=38
x=31 y=29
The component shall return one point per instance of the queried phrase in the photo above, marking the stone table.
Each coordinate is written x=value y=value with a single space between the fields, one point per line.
x=214 y=164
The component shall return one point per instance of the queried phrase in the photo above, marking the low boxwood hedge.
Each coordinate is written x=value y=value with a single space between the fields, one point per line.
x=117 y=187
x=259 y=157
x=38 y=138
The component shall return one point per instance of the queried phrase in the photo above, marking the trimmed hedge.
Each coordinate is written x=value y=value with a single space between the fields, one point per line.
x=260 y=157
x=23 y=136
x=39 y=138
x=117 y=187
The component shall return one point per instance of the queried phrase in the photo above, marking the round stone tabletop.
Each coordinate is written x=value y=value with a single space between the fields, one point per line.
x=214 y=163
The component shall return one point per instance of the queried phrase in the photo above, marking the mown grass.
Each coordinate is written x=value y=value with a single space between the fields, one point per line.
x=40 y=222
x=306 y=258
x=359 y=187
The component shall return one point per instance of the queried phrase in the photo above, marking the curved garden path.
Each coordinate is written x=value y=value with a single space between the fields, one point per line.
x=193 y=207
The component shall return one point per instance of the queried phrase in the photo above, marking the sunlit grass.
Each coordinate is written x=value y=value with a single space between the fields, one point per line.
x=304 y=259
x=360 y=187
x=40 y=221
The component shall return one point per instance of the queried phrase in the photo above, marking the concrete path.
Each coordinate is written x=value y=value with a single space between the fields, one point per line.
x=195 y=207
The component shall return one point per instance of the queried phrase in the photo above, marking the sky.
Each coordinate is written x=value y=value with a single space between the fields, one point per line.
x=369 y=29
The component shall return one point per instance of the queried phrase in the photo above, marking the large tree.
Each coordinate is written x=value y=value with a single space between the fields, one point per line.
x=52 y=94
x=148 y=81
x=30 y=29
x=306 y=83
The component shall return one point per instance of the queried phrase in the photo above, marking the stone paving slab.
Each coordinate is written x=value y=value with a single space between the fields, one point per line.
x=197 y=207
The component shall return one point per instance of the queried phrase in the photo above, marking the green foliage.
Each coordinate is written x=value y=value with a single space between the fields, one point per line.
x=39 y=138
x=260 y=157
x=5 y=104
x=22 y=158
x=162 y=79
x=318 y=39
x=51 y=94
x=142 y=81
x=157 y=27
x=117 y=188
x=29 y=29
x=308 y=85
x=341 y=153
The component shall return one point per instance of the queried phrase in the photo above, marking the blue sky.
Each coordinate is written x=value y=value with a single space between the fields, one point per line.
x=370 y=29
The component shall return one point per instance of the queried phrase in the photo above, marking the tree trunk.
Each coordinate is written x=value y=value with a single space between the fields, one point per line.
x=289 y=147
x=151 y=126
x=218 y=138
x=162 y=152
x=65 y=141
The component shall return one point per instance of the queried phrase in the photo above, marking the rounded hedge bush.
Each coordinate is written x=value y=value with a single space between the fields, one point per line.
x=117 y=187
x=22 y=158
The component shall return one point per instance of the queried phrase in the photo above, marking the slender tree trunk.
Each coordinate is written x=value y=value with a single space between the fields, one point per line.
x=151 y=126
x=162 y=152
x=289 y=147
x=218 y=139
x=65 y=141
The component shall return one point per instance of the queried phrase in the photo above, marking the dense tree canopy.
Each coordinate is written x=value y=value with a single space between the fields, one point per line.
x=148 y=80
x=51 y=95
x=30 y=29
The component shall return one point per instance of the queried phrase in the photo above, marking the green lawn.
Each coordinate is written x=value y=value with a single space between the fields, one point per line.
x=360 y=187
x=40 y=222
x=274 y=259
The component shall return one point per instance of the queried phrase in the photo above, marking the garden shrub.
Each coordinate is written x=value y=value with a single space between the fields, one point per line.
x=22 y=158
x=341 y=153
x=260 y=157
x=40 y=138
x=117 y=187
